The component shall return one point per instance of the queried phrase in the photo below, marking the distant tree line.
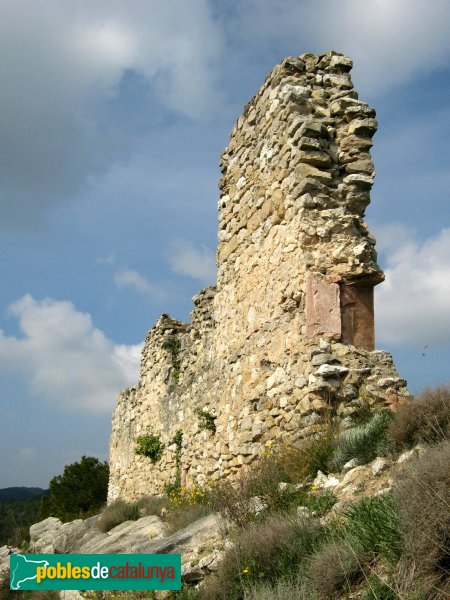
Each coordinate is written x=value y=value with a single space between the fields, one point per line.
x=79 y=492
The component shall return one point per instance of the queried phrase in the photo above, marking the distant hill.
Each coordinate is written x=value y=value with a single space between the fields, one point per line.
x=11 y=494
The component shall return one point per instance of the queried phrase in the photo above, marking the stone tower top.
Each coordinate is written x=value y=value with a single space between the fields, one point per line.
x=299 y=157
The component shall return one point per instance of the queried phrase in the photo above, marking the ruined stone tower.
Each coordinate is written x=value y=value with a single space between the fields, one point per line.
x=286 y=338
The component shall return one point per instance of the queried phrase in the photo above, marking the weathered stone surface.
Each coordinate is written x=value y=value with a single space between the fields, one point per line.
x=5 y=552
x=296 y=268
x=323 y=315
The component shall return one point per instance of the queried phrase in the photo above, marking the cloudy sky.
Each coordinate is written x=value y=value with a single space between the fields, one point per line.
x=112 y=117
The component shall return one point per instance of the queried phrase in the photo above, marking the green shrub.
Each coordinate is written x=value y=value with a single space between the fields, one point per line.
x=363 y=442
x=149 y=445
x=373 y=524
x=422 y=497
x=173 y=347
x=264 y=553
x=205 y=419
x=319 y=503
x=79 y=492
x=426 y=419
x=287 y=464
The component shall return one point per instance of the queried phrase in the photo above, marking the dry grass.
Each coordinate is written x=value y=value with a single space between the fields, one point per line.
x=264 y=554
x=336 y=568
x=120 y=511
x=423 y=500
x=425 y=419
x=182 y=517
x=291 y=588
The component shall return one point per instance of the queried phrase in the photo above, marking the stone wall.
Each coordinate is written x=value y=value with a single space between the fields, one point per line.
x=285 y=341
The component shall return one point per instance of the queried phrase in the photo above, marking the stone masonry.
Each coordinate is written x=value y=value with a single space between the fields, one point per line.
x=285 y=341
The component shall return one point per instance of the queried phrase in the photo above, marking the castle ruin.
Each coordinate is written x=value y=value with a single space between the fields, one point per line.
x=285 y=340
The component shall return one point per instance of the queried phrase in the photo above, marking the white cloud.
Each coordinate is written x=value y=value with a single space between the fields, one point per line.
x=61 y=69
x=130 y=278
x=412 y=305
x=390 y=41
x=67 y=361
x=198 y=263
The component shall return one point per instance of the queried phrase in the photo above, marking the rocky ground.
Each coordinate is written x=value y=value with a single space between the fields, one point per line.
x=202 y=543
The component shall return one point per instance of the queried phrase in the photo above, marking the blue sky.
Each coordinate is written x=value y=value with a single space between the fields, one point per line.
x=112 y=117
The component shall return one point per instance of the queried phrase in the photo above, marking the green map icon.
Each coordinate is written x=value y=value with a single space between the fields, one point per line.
x=23 y=570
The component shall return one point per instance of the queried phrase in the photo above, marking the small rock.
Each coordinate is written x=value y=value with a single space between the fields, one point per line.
x=320 y=359
x=351 y=464
x=379 y=465
x=414 y=452
x=327 y=370
x=325 y=481
x=325 y=345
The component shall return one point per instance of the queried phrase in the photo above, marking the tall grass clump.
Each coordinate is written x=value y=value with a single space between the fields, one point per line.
x=117 y=512
x=120 y=511
x=374 y=525
x=264 y=553
x=425 y=419
x=369 y=534
x=363 y=442
x=423 y=499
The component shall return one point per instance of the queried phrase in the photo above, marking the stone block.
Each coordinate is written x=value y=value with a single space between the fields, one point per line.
x=323 y=314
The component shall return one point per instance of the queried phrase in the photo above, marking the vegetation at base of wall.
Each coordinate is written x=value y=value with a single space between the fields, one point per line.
x=363 y=442
x=179 y=508
x=302 y=461
x=117 y=512
x=396 y=545
x=173 y=347
x=279 y=480
x=120 y=511
x=79 y=492
x=206 y=420
x=149 y=445
x=186 y=505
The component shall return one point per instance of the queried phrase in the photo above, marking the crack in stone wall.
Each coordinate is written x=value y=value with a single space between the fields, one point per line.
x=286 y=339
